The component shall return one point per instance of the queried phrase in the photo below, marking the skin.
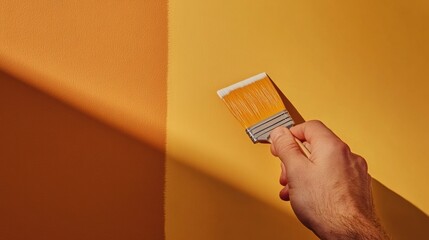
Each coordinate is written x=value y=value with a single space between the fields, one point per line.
x=330 y=191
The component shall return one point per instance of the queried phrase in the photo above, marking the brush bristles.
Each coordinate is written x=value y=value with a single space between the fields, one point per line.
x=252 y=100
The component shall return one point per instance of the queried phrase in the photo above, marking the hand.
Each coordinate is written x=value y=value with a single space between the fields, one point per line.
x=330 y=191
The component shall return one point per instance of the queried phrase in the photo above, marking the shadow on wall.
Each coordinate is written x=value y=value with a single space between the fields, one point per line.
x=65 y=175
x=221 y=211
x=401 y=219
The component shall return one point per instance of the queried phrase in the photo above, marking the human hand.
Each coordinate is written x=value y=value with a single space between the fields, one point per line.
x=330 y=191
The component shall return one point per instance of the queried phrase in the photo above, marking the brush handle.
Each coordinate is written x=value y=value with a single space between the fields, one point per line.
x=303 y=148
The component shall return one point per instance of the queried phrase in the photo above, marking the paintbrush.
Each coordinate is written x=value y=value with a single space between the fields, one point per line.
x=256 y=104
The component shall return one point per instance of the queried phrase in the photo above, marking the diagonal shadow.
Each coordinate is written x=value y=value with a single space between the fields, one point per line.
x=401 y=218
x=66 y=175
x=199 y=206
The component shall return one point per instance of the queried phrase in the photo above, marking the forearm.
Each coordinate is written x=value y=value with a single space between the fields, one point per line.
x=353 y=228
x=329 y=190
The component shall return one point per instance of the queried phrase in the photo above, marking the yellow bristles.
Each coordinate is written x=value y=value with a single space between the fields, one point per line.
x=252 y=100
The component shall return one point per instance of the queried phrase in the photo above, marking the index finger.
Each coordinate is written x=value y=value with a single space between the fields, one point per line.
x=312 y=131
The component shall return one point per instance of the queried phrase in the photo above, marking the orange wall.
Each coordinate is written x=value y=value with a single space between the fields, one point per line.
x=82 y=119
x=66 y=175
x=108 y=60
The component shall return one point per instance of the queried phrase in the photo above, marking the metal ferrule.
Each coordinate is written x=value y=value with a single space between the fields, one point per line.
x=260 y=132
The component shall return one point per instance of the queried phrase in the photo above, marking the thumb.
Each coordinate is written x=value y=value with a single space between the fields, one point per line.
x=284 y=146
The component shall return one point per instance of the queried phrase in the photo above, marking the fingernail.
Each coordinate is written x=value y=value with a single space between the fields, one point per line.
x=269 y=139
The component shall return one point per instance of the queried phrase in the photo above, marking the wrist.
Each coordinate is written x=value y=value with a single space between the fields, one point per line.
x=353 y=226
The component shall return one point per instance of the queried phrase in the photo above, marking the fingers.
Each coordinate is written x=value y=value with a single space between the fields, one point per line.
x=312 y=131
x=283 y=175
x=307 y=145
x=272 y=148
x=284 y=146
x=284 y=193
x=361 y=162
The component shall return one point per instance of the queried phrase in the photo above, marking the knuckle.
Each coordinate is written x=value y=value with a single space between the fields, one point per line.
x=339 y=147
x=276 y=134
x=316 y=123
x=273 y=150
x=362 y=163
x=344 y=147
x=285 y=146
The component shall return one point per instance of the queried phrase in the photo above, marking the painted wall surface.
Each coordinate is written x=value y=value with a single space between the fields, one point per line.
x=361 y=67
x=85 y=126
x=65 y=175
x=108 y=60
x=82 y=119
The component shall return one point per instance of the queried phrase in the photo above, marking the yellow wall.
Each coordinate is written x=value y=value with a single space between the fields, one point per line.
x=361 y=67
